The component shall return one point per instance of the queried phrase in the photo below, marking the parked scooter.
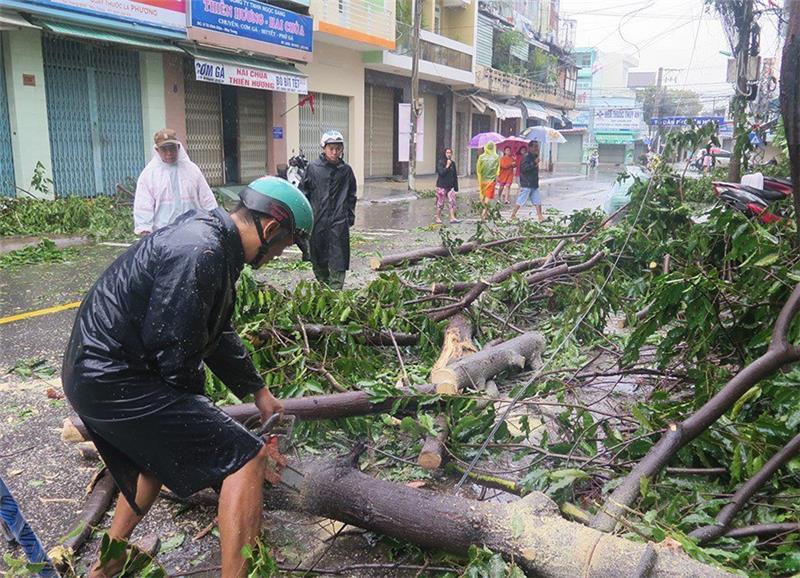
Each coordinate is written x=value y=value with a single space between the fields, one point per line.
x=294 y=171
x=762 y=202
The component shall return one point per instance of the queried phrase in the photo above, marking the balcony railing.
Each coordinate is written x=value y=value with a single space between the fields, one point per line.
x=497 y=81
x=432 y=52
x=357 y=15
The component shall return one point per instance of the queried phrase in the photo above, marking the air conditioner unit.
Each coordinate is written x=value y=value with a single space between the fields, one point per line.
x=457 y=3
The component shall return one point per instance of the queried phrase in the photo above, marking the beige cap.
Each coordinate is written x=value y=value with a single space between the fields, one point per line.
x=166 y=136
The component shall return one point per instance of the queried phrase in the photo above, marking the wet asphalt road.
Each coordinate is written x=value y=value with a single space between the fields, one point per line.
x=386 y=216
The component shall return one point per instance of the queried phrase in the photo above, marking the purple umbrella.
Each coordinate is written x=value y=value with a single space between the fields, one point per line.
x=480 y=139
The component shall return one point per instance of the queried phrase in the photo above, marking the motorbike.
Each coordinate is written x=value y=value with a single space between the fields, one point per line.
x=762 y=202
x=294 y=171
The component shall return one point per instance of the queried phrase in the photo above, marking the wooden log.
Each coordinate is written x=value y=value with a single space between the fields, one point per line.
x=365 y=336
x=530 y=531
x=330 y=406
x=474 y=370
x=433 y=450
x=101 y=493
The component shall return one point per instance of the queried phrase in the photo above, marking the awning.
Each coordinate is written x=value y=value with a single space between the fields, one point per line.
x=503 y=111
x=535 y=110
x=553 y=112
x=106 y=36
x=615 y=138
x=247 y=71
x=13 y=21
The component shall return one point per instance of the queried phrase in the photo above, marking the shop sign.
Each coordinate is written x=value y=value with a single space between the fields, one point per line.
x=170 y=14
x=251 y=20
x=617 y=118
x=614 y=139
x=277 y=132
x=247 y=77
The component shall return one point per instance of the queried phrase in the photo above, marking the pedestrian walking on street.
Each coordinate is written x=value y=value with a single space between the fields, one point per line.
x=486 y=169
x=446 y=186
x=134 y=369
x=529 y=182
x=505 y=177
x=170 y=185
x=330 y=185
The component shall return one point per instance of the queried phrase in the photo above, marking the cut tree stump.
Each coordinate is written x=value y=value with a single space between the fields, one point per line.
x=530 y=532
x=474 y=370
x=433 y=450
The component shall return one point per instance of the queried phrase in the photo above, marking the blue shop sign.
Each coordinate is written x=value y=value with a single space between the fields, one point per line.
x=277 y=132
x=254 y=21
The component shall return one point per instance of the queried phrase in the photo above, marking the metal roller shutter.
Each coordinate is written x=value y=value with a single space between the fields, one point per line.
x=6 y=158
x=611 y=153
x=331 y=112
x=379 y=131
x=484 y=43
x=252 y=134
x=95 y=116
x=204 y=126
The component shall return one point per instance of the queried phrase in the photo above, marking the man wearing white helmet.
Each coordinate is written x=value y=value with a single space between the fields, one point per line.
x=330 y=185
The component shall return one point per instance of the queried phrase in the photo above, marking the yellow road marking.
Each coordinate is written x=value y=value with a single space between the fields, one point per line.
x=38 y=312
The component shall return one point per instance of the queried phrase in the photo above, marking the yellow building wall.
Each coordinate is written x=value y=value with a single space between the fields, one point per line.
x=336 y=70
x=459 y=23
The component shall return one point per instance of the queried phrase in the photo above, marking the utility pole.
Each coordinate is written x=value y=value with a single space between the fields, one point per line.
x=657 y=107
x=739 y=100
x=415 y=109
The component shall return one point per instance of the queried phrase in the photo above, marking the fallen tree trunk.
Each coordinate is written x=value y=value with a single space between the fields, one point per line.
x=745 y=492
x=329 y=406
x=564 y=269
x=530 y=532
x=433 y=450
x=474 y=370
x=779 y=353
x=101 y=493
x=417 y=255
x=365 y=336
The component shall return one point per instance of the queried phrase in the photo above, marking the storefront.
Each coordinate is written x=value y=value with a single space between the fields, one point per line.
x=7 y=188
x=330 y=112
x=615 y=148
x=572 y=150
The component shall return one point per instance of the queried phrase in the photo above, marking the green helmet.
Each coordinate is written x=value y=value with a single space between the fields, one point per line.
x=282 y=201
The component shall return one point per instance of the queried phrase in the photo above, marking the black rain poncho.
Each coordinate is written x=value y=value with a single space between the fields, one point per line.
x=331 y=190
x=134 y=366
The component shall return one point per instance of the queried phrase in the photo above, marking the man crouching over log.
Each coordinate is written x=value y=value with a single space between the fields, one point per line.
x=133 y=369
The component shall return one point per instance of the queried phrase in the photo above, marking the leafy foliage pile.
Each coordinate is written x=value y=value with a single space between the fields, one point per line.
x=98 y=217
x=692 y=324
x=44 y=252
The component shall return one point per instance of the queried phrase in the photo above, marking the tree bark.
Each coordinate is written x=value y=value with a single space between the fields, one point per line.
x=474 y=370
x=763 y=530
x=746 y=491
x=365 y=336
x=101 y=494
x=790 y=101
x=529 y=531
x=678 y=435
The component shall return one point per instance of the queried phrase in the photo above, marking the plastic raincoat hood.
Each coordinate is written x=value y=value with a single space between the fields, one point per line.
x=488 y=163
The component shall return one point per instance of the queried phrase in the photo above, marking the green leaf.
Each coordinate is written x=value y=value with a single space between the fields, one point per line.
x=517 y=524
x=768 y=260
x=172 y=543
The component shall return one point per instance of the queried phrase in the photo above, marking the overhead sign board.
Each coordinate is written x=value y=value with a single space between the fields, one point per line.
x=613 y=119
x=685 y=120
x=169 y=14
x=246 y=77
x=253 y=26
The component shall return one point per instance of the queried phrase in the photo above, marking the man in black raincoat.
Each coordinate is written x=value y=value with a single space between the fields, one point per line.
x=134 y=367
x=330 y=185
